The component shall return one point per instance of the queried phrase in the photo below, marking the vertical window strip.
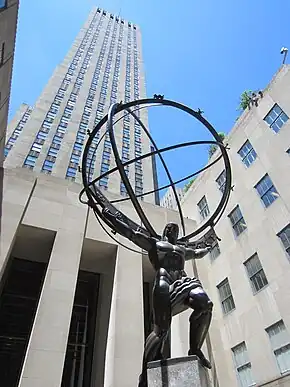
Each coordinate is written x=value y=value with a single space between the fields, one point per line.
x=83 y=126
x=16 y=132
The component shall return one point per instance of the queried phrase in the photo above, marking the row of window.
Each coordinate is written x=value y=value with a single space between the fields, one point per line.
x=51 y=114
x=280 y=344
x=276 y=118
x=16 y=132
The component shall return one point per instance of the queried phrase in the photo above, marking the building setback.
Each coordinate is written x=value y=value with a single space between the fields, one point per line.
x=247 y=274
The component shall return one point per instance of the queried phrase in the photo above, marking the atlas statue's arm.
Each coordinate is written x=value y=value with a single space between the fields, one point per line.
x=197 y=253
x=122 y=228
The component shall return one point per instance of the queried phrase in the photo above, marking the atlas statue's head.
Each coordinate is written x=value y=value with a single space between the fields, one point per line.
x=170 y=233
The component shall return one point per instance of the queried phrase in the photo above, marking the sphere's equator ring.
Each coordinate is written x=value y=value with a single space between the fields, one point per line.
x=165 y=167
x=123 y=174
x=168 y=148
x=103 y=204
x=169 y=185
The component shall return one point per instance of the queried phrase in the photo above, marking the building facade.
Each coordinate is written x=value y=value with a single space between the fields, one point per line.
x=8 y=24
x=169 y=201
x=103 y=66
x=247 y=274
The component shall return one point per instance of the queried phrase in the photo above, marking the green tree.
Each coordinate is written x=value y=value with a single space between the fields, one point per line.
x=213 y=147
x=187 y=185
x=245 y=99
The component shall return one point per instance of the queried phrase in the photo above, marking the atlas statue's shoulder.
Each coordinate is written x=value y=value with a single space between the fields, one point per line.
x=164 y=244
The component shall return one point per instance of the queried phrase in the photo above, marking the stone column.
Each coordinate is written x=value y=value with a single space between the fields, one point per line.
x=43 y=365
x=17 y=191
x=126 y=332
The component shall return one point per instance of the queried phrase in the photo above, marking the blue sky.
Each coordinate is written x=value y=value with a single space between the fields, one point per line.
x=203 y=53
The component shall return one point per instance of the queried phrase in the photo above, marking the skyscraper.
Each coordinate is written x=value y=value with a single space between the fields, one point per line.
x=103 y=66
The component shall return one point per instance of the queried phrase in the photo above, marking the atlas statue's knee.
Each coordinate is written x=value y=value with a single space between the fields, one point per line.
x=200 y=301
x=162 y=273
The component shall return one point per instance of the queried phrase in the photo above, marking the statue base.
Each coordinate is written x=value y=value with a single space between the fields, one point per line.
x=183 y=371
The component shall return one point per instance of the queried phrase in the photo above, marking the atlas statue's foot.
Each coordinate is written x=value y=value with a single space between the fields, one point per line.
x=203 y=360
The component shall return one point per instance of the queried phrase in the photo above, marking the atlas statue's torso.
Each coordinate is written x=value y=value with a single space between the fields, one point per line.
x=169 y=257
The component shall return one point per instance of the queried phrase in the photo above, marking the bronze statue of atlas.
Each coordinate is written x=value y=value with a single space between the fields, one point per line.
x=173 y=290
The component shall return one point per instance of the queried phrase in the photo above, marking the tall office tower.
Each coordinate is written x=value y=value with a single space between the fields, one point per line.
x=8 y=22
x=103 y=66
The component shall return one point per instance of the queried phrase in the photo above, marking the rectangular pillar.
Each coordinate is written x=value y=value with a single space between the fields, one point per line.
x=43 y=365
x=126 y=331
x=17 y=191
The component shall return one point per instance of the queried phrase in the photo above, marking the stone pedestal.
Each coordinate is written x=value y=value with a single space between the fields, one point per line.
x=183 y=371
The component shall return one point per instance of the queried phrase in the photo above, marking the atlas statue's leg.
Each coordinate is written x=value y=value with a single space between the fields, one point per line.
x=162 y=321
x=199 y=323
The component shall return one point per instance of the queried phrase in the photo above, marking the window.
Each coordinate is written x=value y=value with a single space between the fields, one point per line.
x=203 y=208
x=52 y=152
x=247 y=153
x=75 y=159
x=256 y=273
x=215 y=251
x=47 y=165
x=226 y=297
x=3 y=4
x=280 y=343
x=71 y=172
x=46 y=124
x=36 y=147
x=2 y=51
x=243 y=365
x=284 y=235
x=30 y=161
x=55 y=145
x=276 y=118
x=221 y=181
x=237 y=220
x=267 y=190
x=42 y=135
